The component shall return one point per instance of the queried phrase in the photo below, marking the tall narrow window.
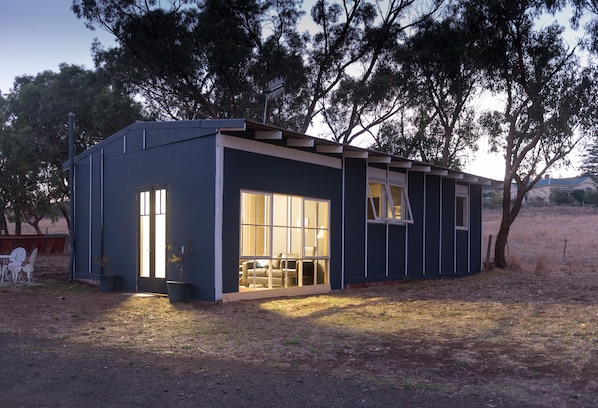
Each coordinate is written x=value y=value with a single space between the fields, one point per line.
x=461 y=208
x=144 y=234
x=160 y=234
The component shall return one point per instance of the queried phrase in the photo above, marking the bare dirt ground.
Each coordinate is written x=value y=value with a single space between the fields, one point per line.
x=525 y=337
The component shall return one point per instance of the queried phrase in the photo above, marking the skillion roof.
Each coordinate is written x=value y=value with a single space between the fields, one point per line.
x=145 y=135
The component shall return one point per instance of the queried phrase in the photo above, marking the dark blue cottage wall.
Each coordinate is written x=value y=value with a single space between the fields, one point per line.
x=355 y=220
x=435 y=235
x=374 y=252
x=186 y=169
x=253 y=171
x=87 y=199
x=415 y=231
x=429 y=247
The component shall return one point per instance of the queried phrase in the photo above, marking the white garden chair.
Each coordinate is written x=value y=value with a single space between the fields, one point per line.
x=15 y=264
x=28 y=268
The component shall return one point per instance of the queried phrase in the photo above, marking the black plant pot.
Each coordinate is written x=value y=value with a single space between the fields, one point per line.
x=108 y=283
x=177 y=291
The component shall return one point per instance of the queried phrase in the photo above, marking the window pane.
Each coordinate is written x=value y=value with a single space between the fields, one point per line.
x=461 y=212
x=323 y=214
x=160 y=259
x=262 y=216
x=296 y=242
x=144 y=246
x=262 y=241
x=280 y=238
x=310 y=214
x=396 y=194
x=144 y=201
x=375 y=200
x=280 y=212
x=247 y=240
x=297 y=212
x=248 y=208
x=310 y=237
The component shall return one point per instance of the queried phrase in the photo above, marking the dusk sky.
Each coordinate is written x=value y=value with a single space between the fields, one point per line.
x=38 y=35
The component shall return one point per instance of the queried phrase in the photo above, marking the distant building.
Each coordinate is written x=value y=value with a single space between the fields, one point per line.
x=543 y=189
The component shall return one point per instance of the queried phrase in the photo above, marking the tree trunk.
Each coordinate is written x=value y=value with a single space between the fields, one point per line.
x=500 y=260
x=3 y=225
x=65 y=213
x=18 y=229
x=501 y=244
x=35 y=225
x=509 y=213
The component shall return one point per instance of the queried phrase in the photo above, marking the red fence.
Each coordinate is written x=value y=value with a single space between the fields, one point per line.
x=58 y=243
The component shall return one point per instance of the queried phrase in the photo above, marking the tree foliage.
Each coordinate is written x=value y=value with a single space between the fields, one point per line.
x=213 y=59
x=34 y=135
x=200 y=60
x=589 y=166
x=440 y=78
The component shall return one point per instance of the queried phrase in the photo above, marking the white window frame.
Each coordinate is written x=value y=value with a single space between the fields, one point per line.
x=463 y=193
x=318 y=226
x=388 y=179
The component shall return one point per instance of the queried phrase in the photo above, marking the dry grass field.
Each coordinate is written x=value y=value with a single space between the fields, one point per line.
x=523 y=337
x=555 y=238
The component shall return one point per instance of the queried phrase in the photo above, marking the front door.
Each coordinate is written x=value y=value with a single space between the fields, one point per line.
x=152 y=240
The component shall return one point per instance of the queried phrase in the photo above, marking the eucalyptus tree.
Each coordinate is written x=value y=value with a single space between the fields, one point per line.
x=441 y=77
x=213 y=59
x=545 y=98
x=355 y=84
x=209 y=59
x=585 y=12
x=34 y=141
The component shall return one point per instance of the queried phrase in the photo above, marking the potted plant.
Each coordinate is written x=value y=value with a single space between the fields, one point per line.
x=107 y=281
x=178 y=290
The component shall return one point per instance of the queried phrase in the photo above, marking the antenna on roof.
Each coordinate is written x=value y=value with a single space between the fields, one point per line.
x=274 y=88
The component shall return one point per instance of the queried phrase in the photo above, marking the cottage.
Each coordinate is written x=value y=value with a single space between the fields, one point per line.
x=543 y=189
x=257 y=211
